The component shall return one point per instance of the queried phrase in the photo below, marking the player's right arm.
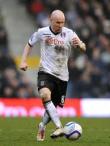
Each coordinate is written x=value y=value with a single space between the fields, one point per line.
x=26 y=52
x=33 y=39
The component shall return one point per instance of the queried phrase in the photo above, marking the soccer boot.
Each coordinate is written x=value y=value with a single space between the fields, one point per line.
x=57 y=133
x=41 y=133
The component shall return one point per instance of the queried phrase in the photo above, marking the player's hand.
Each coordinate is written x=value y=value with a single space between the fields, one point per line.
x=82 y=46
x=77 y=43
x=23 y=66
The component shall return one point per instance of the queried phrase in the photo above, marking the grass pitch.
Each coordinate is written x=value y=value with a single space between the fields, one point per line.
x=22 y=132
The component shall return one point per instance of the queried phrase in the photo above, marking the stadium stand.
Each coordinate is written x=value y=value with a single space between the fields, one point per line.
x=90 y=72
x=13 y=83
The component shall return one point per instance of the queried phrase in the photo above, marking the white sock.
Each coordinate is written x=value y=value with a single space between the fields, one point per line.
x=50 y=108
x=46 y=119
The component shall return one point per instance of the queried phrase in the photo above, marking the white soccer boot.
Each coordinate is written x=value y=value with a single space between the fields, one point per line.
x=41 y=133
x=57 y=133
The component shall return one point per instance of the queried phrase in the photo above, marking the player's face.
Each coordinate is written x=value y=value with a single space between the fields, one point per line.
x=57 y=24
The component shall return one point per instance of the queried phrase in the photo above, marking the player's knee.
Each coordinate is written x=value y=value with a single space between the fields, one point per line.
x=45 y=94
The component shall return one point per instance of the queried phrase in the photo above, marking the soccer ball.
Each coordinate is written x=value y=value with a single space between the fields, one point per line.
x=72 y=131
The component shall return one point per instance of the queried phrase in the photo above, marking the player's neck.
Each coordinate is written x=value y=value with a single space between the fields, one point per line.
x=52 y=30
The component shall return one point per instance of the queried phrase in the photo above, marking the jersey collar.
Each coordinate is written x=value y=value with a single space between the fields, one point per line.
x=55 y=33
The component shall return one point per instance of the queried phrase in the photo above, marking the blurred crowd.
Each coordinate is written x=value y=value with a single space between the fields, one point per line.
x=89 y=72
x=12 y=82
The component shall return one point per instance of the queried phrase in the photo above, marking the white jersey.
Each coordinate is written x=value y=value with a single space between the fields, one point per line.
x=55 y=52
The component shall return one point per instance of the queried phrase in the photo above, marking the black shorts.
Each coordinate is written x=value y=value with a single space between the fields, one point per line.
x=56 y=86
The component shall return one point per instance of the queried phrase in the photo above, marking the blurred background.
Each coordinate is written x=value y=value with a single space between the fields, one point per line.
x=89 y=72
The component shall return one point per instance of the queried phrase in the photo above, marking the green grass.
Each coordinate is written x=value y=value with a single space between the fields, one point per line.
x=22 y=132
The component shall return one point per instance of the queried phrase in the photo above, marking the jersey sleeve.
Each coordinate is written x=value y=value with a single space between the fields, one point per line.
x=35 y=37
x=72 y=36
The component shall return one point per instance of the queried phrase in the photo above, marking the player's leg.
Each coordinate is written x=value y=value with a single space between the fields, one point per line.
x=42 y=77
x=58 y=99
x=41 y=127
x=45 y=86
x=45 y=94
x=46 y=119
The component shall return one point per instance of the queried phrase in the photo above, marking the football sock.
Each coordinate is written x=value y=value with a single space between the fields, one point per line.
x=46 y=119
x=52 y=112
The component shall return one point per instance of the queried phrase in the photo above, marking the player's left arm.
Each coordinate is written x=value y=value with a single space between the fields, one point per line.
x=77 y=43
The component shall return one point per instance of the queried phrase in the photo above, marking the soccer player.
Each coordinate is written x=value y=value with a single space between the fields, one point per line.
x=56 y=42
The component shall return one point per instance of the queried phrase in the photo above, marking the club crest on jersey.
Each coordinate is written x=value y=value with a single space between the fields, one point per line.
x=63 y=34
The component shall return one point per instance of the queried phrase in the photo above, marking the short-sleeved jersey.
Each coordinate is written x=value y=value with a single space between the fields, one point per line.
x=55 y=54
